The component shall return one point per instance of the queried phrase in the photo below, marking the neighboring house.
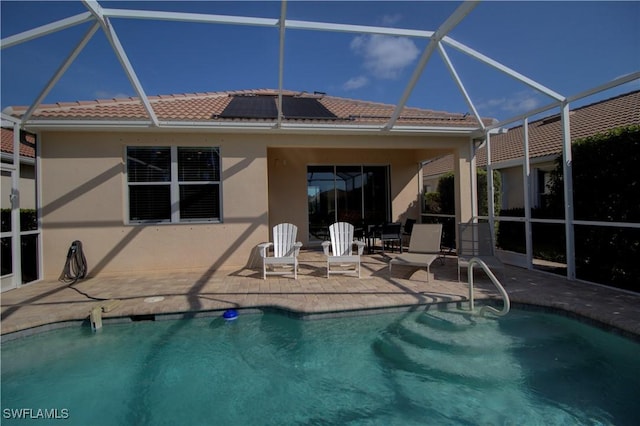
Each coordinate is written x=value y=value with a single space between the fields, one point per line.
x=27 y=168
x=200 y=190
x=545 y=145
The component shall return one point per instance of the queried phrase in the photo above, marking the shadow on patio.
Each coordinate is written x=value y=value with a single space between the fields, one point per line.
x=50 y=302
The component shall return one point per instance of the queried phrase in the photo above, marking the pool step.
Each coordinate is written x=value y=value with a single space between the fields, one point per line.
x=451 y=345
x=487 y=368
x=471 y=339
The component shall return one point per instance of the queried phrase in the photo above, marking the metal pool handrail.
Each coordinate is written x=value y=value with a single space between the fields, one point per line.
x=503 y=293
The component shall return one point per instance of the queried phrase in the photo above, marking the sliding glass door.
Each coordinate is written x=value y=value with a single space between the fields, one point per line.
x=354 y=194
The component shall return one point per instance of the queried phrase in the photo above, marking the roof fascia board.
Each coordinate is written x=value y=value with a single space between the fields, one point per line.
x=189 y=17
x=458 y=81
x=61 y=70
x=379 y=128
x=30 y=161
x=519 y=161
x=46 y=29
x=456 y=17
x=80 y=125
x=97 y=11
x=497 y=65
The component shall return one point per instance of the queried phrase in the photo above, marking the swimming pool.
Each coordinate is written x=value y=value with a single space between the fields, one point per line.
x=438 y=366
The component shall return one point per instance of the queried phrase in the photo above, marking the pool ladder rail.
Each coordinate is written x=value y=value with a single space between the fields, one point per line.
x=505 y=297
x=95 y=315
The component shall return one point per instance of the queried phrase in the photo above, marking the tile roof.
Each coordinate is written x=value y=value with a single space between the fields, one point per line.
x=27 y=145
x=545 y=135
x=210 y=105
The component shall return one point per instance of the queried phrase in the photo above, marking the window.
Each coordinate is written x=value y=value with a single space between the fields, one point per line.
x=173 y=184
x=541 y=187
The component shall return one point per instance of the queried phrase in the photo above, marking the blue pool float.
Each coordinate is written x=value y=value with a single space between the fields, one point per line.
x=230 y=315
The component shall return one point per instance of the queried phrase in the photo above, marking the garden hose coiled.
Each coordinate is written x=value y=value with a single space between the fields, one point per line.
x=75 y=268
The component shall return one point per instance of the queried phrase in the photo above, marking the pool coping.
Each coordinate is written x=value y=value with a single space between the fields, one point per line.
x=318 y=316
x=48 y=305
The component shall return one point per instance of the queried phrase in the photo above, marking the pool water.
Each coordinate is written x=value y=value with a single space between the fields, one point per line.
x=436 y=367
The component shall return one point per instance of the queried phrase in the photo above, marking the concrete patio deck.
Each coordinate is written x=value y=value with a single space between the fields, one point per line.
x=51 y=304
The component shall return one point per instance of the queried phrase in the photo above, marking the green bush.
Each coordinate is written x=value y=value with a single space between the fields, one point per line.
x=28 y=220
x=548 y=238
x=606 y=187
x=443 y=201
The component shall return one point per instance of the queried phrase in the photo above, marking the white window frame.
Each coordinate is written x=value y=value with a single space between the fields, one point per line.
x=174 y=188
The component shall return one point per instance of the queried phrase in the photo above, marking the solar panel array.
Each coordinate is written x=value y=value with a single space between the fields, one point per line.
x=265 y=107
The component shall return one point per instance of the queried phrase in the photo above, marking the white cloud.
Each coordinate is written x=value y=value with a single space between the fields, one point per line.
x=356 y=83
x=385 y=57
x=104 y=94
x=517 y=103
x=391 y=19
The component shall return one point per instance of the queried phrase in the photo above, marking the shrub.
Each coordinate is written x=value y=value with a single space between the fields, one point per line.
x=606 y=187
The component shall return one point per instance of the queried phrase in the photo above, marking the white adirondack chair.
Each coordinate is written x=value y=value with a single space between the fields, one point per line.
x=285 y=250
x=341 y=245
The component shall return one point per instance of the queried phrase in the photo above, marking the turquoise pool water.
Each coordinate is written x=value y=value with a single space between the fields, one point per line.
x=428 y=367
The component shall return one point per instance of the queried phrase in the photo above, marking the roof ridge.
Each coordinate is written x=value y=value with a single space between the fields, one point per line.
x=162 y=97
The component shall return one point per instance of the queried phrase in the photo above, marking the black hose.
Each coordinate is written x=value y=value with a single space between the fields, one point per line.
x=75 y=268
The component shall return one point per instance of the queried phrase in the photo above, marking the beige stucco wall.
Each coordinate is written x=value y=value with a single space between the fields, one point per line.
x=512 y=187
x=83 y=198
x=288 y=180
x=264 y=183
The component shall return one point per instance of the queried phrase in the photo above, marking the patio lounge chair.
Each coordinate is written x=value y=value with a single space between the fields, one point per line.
x=476 y=240
x=285 y=250
x=341 y=252
x=424 y=247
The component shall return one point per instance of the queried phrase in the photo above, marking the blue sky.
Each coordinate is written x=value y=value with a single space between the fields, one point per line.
x=568 y=47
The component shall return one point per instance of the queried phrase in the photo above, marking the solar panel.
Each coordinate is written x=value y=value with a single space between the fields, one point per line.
x=305 y=108
x=265 y=107
x=251 y=107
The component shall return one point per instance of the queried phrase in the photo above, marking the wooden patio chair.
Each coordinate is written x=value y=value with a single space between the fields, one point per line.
x=339 y=250
x=285 y=250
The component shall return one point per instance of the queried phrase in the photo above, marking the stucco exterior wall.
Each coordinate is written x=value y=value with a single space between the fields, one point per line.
x=512 y=187
x=263 y=183
x=288 y=180
x=83 y=198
